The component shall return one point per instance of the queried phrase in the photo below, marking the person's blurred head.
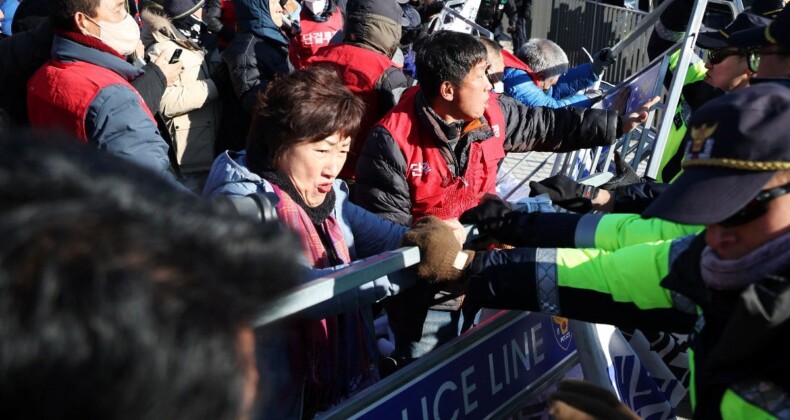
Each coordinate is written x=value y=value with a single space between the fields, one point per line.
x=374 y=25
x=773 y=45
x=303 y=126
x=736 y=176
x=106 y=20
x=452 y=68
x=122 y=297
x=546 y=59
x=497 y=70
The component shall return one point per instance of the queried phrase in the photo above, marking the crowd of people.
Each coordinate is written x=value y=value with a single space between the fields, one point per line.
x=130 y=130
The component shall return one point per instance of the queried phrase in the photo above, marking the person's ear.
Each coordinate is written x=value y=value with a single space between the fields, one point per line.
x=447 y=91
x=81 y=22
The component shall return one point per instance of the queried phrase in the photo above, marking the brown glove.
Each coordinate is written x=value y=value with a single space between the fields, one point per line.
x=441 y=257
x=579 y=400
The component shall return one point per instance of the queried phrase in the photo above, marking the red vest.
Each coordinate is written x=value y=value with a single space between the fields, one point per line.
x=360 y=69
x=513 y=62
x=433 y=189
x=314 y=36
x=59 y=94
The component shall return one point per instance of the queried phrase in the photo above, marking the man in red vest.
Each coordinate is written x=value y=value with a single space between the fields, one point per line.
x=85 y=90
x=364 y=61
x=437 y=152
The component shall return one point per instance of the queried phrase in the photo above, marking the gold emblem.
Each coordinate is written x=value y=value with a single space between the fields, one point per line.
x=699 y=135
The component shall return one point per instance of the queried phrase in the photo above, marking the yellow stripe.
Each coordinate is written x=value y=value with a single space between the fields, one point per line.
x=725 y=34
x=768 y=35
x=739 y=164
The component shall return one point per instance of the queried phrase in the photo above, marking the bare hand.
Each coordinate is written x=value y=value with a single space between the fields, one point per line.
x=171 y=71
x=635 y=118
x=458 y=230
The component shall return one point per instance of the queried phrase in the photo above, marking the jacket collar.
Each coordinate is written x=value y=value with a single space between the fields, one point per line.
x=66 y=50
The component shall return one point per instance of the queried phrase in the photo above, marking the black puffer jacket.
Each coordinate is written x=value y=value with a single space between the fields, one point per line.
x=381 y=172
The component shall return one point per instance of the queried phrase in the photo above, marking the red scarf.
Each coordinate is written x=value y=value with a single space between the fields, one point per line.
x=338 y=358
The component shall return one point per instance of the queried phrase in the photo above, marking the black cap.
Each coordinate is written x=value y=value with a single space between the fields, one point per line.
x=734 y=145
x=776 y=32
x=721 y=38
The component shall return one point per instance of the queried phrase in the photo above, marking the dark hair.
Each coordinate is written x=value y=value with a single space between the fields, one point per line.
x=121 y=297
x=304 y=106
x=61 y=12
x=447 y=56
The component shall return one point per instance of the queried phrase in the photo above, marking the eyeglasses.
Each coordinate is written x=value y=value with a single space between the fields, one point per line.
x=755 y=208
x=718 y=55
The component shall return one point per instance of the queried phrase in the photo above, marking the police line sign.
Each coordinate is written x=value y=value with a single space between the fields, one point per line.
x=475 y=380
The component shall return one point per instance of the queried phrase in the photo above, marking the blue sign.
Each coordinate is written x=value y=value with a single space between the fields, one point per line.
x=484 y=376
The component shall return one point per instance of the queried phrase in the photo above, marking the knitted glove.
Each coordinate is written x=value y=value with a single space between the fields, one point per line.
x=565 y=193
x=602 y=59
x=624 y=174
x=582 y=400
x=441 y=256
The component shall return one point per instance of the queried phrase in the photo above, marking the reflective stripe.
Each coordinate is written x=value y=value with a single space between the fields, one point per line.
x=668 y=34
x=755 y=399
x=546 y=280
x=585 y=230
x=682 y=303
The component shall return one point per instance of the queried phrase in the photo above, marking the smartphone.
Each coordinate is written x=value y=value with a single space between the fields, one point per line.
x=176 y=56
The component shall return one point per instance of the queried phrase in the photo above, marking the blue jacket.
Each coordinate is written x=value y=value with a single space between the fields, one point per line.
x=365 y=233
x=116 y=120
x=520 y=86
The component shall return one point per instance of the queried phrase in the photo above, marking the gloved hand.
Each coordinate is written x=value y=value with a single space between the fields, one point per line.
x=582 y=400
x=490 y=217
x=602 y=59
x=565 y=193
x=441 y=257
x=624 y=174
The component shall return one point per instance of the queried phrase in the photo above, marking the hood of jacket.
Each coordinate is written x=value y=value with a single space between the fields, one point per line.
x=374 y=25
x=253 y=16
x=158 y=28
x=229 y=176
x=66 y=50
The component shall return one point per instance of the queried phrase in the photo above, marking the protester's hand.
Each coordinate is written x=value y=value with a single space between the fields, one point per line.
x=139 y=50
x=171 y=71
x=458 y=230
x=565 y=193
x=578 y=400
x=633 y=119
x=441 y=257
x=624 y=174
x=490 y=216
x=603 y=59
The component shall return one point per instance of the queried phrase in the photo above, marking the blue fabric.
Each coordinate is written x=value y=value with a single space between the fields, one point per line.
x=116 y=120
x=253 y=16
x=9 y=9
x=365 y=233
x=520 y=86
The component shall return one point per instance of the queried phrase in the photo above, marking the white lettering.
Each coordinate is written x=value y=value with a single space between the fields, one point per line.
x=495 y=387
x=468 y=389
x=517 y=355
x=536 y=342
x=448 y=385
x=507 y=365
x=424 y=402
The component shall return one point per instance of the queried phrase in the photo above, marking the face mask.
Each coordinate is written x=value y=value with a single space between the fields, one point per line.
x=317 y=7
x=122 y=36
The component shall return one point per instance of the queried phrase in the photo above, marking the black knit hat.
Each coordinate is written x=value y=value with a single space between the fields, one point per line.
x=735 y=144
x=178 y=9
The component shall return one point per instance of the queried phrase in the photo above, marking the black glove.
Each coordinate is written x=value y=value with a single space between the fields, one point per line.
x=602 y=59
x=565 y=193
x=624 y=174
x=439 y=251
x=495 y=218
x=578 y=399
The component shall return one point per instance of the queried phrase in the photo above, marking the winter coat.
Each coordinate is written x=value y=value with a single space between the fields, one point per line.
x=191 y=106
x=115 y=119
x=520 y=86
x=364 y=233
x=257 y=54
x=381 y=172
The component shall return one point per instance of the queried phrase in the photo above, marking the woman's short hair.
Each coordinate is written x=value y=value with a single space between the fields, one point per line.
x=305 y=106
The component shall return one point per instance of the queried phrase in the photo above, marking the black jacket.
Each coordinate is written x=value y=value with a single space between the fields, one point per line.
x=381 y=172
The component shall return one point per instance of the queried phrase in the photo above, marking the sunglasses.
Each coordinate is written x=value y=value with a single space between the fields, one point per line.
x=755 y=208
x=717 y=56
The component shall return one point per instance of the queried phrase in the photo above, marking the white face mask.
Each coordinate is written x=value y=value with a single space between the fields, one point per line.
x=499 y=87
x=122 y=36
x=317 y=7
